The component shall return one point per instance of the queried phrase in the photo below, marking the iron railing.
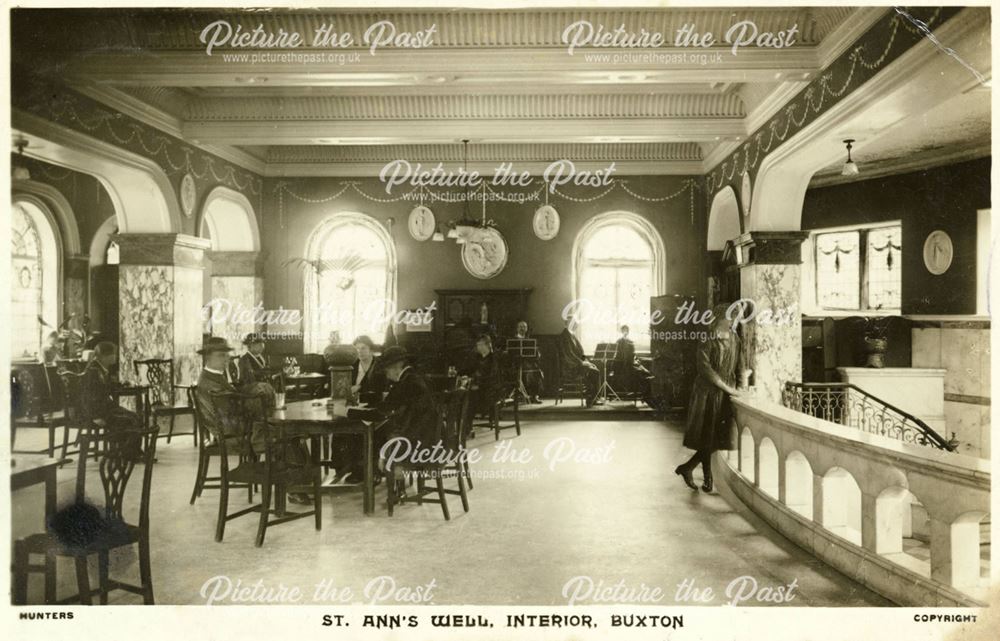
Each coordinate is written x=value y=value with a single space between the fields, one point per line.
x=850 y=405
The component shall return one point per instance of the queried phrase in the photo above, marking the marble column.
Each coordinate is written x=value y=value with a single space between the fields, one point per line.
x=237 y=291
x=770 y=283
x=160 y=300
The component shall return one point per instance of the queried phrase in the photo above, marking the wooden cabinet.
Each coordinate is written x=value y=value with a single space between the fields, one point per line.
x=673 y=350
x=464 y=314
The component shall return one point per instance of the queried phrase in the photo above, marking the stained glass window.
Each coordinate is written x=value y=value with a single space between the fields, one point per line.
x=884 y=281
x=26 y=285
x=859 y=269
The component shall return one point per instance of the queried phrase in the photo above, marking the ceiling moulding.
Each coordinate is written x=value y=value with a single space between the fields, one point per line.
x=179 y=30
x=150 y=115
x=836 y=43
x=656 y=152
x=418 y=107
x=907 y=164
x=535 y=168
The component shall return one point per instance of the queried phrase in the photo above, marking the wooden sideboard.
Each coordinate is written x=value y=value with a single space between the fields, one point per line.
x=460 y=317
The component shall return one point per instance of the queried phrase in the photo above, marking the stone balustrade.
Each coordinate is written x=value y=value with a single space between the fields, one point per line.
x=899 y=518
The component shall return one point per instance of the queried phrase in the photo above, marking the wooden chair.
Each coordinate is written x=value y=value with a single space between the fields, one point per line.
x=75 y=419
x=163 y=390
x=36 y=403
x=105 y=530
x=567 y=383
x=453 y=408
x=274 y=473
x=207 y=448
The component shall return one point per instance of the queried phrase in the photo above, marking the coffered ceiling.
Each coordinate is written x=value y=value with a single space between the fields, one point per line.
x=504 y=80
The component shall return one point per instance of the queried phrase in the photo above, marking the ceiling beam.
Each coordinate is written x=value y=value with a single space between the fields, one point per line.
x=369 y=132
x=473 y=68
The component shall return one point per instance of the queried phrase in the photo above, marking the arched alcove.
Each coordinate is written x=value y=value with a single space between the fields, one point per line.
x=143 y=197
x=768 y=481
x=799 y=484
x=747 y=454
x=842 y=504
x=229 y=221
x=723 y=219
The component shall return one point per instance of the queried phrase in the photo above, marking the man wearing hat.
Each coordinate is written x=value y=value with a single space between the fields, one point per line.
x=217 y=410
x=409 y=405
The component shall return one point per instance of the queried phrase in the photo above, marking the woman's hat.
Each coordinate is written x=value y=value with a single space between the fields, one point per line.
x=393 y=355
x=215 y=344
x=253 y=337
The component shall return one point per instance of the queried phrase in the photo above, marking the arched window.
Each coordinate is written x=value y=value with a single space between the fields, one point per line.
x=354 y=291
x=618 y=266
x=35 y=278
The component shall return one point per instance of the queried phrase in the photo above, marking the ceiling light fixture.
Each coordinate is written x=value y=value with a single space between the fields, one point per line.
x=850 y=167
x=19 y=171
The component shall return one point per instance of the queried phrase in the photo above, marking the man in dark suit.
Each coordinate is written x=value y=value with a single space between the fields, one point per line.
x=220 y=413
x=627 y=372
x=531 y=371
x=575 y=363
x=98 y=401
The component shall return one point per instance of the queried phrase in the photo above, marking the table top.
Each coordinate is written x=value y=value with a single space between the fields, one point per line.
x=25 y=463
x=309 y=410
x=306 y=375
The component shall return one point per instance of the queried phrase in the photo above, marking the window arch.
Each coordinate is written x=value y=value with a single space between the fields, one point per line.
x=617 y=266
x=35 y=266
x=354 y=292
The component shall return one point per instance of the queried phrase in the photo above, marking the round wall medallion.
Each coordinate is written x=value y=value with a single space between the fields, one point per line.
x=421 y=223
x=745 y=194
x=189 y=193
x=938 y=252
x=546 y=222
x=484 y=253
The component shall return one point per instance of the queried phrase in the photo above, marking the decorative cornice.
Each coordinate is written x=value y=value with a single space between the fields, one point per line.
x=178 y=250
x=467 y=107
x=772 y=247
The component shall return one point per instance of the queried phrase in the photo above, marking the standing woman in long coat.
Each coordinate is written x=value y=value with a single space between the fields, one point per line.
x=710 y=410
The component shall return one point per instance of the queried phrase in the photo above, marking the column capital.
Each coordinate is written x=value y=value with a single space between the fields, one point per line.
x=179 y=250
x=236 y=263
x=76 y=265
x=771 y=247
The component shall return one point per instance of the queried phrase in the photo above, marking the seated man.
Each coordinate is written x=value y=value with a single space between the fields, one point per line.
x=531 y=371
x=627 y=372
x=225 y=410
x=485 y=375
x=575 y=363
x=409 y=406
x=98 y=402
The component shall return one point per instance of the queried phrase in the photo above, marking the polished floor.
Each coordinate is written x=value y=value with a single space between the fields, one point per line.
x=594 y=499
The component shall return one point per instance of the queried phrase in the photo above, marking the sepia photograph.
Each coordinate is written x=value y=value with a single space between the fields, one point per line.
x=499 y=320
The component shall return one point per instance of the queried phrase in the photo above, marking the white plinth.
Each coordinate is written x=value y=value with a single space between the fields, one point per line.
x=919 y=391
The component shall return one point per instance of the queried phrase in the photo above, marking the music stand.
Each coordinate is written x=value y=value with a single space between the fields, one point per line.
x=522 y=348
x=604 y=353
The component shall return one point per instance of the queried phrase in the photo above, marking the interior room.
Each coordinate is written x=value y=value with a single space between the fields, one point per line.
x=253 y=283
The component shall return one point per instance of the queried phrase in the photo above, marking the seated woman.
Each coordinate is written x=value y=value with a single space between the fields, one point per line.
x=627 y=374
x=367 y=379
x=250 y=372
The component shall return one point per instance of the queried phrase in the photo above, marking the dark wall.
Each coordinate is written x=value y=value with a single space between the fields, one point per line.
x=941 y=198
x=86 y=196
x=426 y=266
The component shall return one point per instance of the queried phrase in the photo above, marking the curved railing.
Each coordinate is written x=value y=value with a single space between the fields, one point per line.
x=904 y=519
x=848 y=404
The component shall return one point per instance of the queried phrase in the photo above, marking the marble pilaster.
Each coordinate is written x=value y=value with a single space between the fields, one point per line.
x=237 y=288
x=770 y=278
x=160 y=298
